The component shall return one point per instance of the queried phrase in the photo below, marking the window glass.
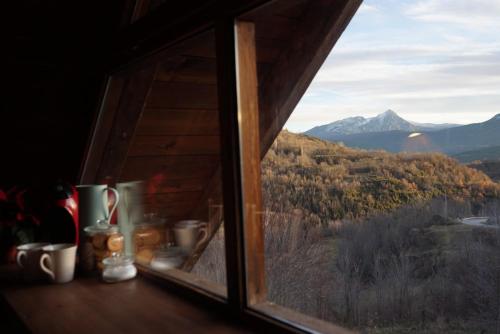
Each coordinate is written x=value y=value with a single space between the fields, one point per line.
x=169 y=177
x=381 y=200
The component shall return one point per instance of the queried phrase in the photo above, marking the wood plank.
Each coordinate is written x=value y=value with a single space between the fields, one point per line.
x=275 y=28
x=248 y=115
x=285 y=84
x=174 y=211
x=178 y=122
x=168 y=167
x=164 y=185
x=293 y=317
x=292 y=9
x=268 y=50
x=182 y=95
x=199 y=70
x=101 y=128
x=87 y=305
x=125 y=121
x=174 y=145
x=172 y=22
x=164 y=198
x=230 y=163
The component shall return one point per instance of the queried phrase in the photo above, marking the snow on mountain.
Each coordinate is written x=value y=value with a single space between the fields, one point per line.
x=386 y=121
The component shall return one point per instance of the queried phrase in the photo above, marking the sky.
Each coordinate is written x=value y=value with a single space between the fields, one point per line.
x=431 y=61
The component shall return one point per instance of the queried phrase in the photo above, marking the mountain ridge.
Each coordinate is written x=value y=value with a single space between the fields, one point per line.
x=386 y=121
x=451 y=141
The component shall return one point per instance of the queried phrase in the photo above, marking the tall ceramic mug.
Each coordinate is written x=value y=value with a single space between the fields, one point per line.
x=130 y=211
x=189 y=234
x=58 y=261
x=93 y=204
x=28 y=258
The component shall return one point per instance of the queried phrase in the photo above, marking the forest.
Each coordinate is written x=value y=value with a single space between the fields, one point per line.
x=374 y=241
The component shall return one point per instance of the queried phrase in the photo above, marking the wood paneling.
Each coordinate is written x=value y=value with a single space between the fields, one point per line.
x=164 y=185
x=182 y=95
x=169 y=167
x=131 y=104
x=197 y=70
x=173 y=211
x=178 y=122
x=174 y=145
x=297 y=65
x=186 y=196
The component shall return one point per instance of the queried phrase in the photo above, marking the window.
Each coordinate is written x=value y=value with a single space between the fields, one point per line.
x=163 y=154
x=378 y=207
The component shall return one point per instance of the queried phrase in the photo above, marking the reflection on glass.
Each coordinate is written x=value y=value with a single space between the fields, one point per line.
x=170 y=178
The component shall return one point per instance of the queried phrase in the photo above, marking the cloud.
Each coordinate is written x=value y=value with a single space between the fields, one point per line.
x=472 y=14
x=367 y=8
x=402 y=60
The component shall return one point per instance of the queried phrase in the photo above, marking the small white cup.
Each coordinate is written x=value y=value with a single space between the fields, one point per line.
x=28 y=258
x=58 y=261
x=189 y=234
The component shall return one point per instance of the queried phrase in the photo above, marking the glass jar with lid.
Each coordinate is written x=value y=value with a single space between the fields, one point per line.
x=148 y=236
x=104 y=240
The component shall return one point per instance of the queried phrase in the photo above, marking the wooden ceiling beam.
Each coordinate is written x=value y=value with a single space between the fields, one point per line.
x=174 y=21
x=289 y=78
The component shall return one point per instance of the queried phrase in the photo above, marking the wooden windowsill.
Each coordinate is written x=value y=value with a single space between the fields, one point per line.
x=299 y=320
x=87 y=305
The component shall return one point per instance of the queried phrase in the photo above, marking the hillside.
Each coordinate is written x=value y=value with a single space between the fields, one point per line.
x=489 y=153
x=490 y=168
x=328 y=181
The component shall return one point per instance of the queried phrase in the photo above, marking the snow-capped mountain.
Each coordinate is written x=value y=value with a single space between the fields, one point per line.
x=386 y=121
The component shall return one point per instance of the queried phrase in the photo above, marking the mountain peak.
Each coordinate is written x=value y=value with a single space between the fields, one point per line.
x=387 y=113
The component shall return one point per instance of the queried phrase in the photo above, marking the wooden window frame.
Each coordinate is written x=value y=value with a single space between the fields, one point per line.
x=239 y=125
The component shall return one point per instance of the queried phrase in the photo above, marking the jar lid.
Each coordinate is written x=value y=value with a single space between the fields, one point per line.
x=118 y=260
x=102 y=226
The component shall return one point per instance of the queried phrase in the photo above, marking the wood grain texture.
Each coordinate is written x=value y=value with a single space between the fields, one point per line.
x=89 y=306
x=185 y=95
x=179 y=122
x=96 y=145
x=174 y=145
x=297 y=65
x=168 y=167
x=124 y=123
x=248 y=114
x=200 y=70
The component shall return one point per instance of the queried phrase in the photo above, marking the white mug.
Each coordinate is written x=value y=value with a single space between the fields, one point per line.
x=58 y=261
x=189 y=234
x=28 y=258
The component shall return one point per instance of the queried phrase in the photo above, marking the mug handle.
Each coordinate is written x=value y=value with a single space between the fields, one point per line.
x=46 y=257
x=19 y=257
x=117 y=199
x=203 y=231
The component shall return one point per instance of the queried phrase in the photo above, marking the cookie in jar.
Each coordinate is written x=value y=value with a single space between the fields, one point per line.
x=101 y=241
